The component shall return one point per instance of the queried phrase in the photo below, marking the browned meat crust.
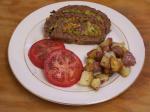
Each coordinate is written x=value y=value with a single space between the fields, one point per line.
x=77 y=24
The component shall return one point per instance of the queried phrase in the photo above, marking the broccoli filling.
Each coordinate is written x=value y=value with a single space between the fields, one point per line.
x=91 y=30
x=77 y=26
x=84 y=29
x=87 y=12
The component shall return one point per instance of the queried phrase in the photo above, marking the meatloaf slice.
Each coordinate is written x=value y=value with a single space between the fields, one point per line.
x=77 y=24
x=88 y=11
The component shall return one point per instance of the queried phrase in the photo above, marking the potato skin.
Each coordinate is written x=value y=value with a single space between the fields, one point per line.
x=118 y=51
x=128 y=59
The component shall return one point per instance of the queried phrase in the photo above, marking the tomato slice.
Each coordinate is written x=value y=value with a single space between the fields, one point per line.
x=39 y=50
x=63 y=68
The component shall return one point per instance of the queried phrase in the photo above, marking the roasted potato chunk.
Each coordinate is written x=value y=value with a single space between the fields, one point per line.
x=95 y=83
x=118 y=51
x=99 y=54
x=92 y=53
x=107 y=42
x=122 y=45
x=107 y=71
x=128 y=59
x=108 y=58
x=105 y=45
x=103 y=77
x=89 y=67
x=105 y=62
x=125 y=71
x=106 y=49
x=115 y=64
x=90 y=61
x=86 y=78
x=97 y=67
x=96 y=74
x=110 y=54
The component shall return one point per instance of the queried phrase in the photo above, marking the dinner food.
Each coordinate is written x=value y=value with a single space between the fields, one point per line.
x=80 y=25
x=77 y=24
x=41 y=48
x=86 y=78
x=108 y=58
x=63 y=68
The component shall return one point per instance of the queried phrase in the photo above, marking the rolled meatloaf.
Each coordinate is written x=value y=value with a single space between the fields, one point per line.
x=77 y=24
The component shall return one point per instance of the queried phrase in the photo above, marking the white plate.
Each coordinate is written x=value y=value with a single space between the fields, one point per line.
x=30 y=30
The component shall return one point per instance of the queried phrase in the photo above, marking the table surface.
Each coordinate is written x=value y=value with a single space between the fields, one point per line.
x=15 y=98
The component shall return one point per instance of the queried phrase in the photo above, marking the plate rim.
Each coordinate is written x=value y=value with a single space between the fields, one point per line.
x=84 y=2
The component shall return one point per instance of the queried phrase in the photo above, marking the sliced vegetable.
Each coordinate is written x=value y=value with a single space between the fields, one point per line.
x=39 y=50
x=62 y=68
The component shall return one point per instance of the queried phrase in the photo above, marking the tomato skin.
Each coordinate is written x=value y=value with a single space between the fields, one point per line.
x=63 y=68
x=39 y=50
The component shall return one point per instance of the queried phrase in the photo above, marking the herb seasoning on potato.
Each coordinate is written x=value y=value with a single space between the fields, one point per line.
x=108 y=58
